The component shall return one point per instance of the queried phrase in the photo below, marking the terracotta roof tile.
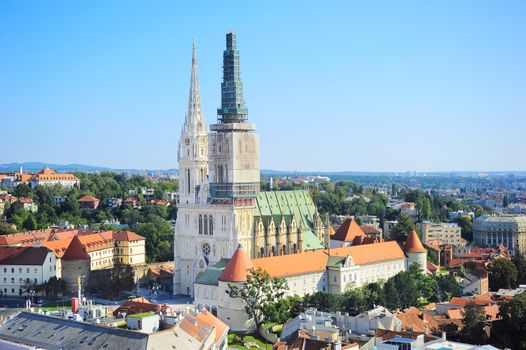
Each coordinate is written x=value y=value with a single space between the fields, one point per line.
x=237 y=267
x=348 y=231
x=88 y=198
x=413 y=244
x=76 y=251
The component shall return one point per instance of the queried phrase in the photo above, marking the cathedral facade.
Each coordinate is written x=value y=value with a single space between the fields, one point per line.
x=220 y=204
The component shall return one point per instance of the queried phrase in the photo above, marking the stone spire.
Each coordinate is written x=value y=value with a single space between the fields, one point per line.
x=233 y=108
x=194 y=121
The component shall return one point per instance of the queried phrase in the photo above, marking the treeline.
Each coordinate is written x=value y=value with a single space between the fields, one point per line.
x=405 y=289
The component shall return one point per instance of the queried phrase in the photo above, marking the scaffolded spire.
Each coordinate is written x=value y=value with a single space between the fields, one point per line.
x=194 y=118
x=233 y=108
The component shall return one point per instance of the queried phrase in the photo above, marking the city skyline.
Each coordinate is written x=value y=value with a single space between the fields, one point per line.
x=115 y=95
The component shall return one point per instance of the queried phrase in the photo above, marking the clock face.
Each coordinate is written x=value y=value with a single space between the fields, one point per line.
x=187 y=141
x=219 y=137
x=202 y=141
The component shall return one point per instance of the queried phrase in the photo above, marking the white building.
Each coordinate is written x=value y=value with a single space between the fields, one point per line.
x=219 y=183
x=332 y=271
x=48 y=177
x=22 y=267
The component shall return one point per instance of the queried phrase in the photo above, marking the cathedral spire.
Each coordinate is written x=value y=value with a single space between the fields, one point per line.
x=194 y=118
x=233 y=108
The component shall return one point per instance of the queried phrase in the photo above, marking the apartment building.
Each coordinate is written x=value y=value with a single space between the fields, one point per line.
x=447 y=233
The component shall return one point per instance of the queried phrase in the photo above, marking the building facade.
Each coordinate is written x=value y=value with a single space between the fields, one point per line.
x=447 y=233
x=508 y=230
x=23 y=267
x=329 y=270
x=220 y=205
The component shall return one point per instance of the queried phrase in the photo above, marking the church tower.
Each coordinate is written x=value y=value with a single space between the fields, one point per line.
x=234 y=155
x=215 y=212
x=193 y=147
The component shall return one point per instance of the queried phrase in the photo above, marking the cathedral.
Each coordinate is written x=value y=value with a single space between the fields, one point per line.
x=220 y=205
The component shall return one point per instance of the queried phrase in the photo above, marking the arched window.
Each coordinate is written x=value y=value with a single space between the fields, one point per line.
x=211 y=224
x=200 y=224
x=295 y=249
x=206 y=225
x=284 y=250
x=273 y=251
x=188 y=179
x=262 y=252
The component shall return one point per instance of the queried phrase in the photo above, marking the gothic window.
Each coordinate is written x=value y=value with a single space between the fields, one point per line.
x=211 y=224
x=273 y=251
x=188 y=179
x=205 y=224
x=261 y=252
x=295 y=249
x=284 y=249
x=200 y=224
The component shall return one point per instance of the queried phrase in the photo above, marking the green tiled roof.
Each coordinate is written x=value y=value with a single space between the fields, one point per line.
x=211 y=275
x=285 y=203
x=310 y=241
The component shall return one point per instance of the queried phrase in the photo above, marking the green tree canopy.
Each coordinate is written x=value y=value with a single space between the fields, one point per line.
x=502 y=273
x=260 y=294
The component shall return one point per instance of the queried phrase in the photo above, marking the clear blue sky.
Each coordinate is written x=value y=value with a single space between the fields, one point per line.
x=350 y=85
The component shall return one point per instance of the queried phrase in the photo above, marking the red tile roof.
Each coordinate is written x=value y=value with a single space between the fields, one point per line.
x=413 y=244
x=463 y=301
x=88 y=198
x=237 y=267
x=76 y=251
x=348 y=231
x=369 y=230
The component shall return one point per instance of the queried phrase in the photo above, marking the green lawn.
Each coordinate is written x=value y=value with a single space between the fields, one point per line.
x=247 y=339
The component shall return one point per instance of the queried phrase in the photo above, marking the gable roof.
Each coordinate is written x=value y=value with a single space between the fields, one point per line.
x=371 y=253
x=413 y=244
x=23 y=255
x=348 y=231
x=237 y=267
x=88 y=198
x=293 y=264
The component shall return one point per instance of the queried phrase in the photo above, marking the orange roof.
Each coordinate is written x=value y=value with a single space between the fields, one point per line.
x=348 y=231
x=331 y=231
x=315 y=261
x=293 y=264
x=76 y=251
x=413 y=244
x=213 y=322
x=199 y=326
x=58 y=247
x=47 y=171
x=25 y=200
x=237 y=267
x=88 y=198
x=371 y=253
x=492 y=311
x=127 y=236
x=463 y=301
x=455 y=314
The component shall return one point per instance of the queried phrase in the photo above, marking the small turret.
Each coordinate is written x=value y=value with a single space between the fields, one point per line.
x=415 y=251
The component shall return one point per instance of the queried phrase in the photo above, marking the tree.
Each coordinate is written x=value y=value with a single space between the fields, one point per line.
x=466 y=225
x=159 y=238
x=511 y=331
x=473 y=323
x=403 y=227
x=502 y=274
x=520 y=264
x=259 y=293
